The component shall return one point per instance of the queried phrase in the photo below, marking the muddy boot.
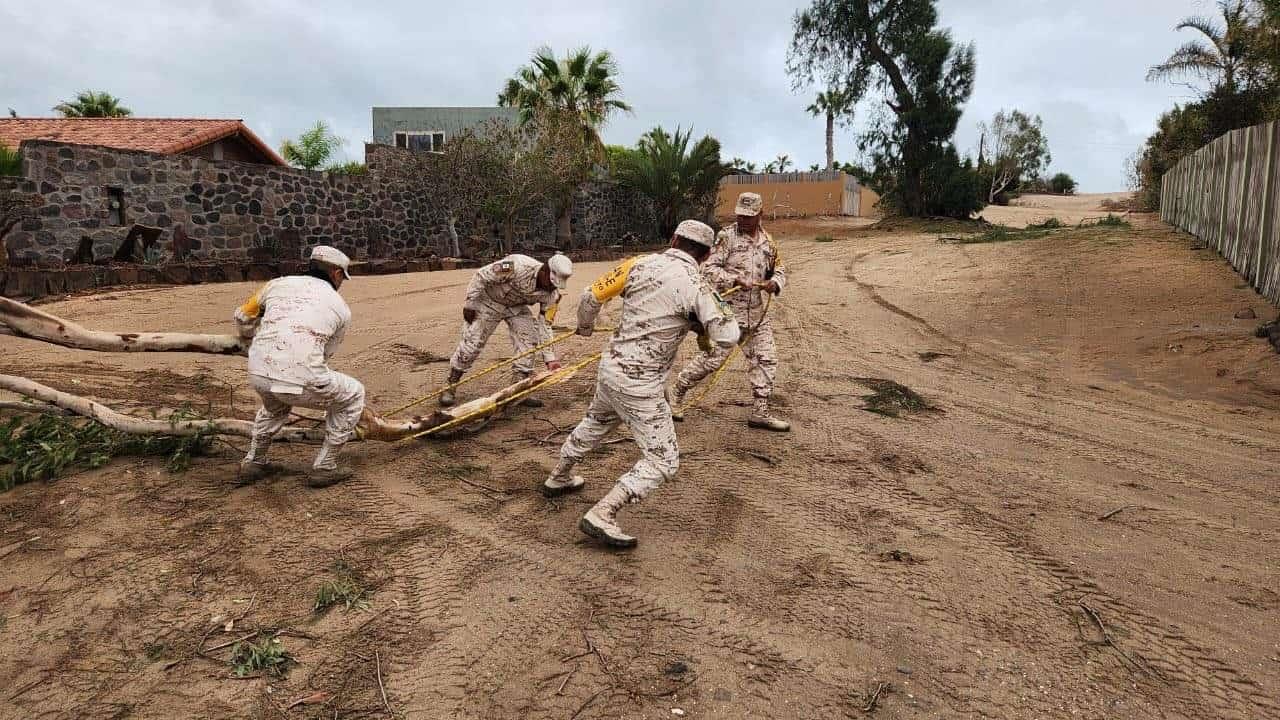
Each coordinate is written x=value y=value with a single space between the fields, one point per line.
x=251 y=471
x=528 y=401
x=448 y=398
x=601 y=521
x=760 y=418
x=562 y=480
x=324 y=477
x=676 y=398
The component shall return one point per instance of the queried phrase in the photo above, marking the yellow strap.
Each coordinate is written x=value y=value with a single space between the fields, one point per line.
x=252 y=307
x=611 y=284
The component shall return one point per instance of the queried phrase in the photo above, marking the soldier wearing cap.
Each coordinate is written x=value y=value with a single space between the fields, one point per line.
x=502 y=292
x=663 y=297
x=745 y=256
x=297 y=323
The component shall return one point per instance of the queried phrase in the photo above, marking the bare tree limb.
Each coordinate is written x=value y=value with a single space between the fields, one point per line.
x=26 y=321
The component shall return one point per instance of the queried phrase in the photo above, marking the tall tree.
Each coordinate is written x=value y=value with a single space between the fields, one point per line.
x=782 y=163
x=582 y=83
x=92 y=104
x=1019 y=149
x=894 y=48
x=1221 y=56
x=680 y=178
x=313 y=148
x=832 y=103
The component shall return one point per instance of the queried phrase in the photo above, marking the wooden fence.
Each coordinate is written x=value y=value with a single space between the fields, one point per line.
x=1225 y=193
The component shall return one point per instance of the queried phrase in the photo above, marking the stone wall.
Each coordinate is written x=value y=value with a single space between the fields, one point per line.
x=88 y=197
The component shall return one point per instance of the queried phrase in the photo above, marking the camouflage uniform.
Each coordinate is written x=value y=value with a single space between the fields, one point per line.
x=754 y=261
x=663 y=295
x=502 y=292
x=297 y=323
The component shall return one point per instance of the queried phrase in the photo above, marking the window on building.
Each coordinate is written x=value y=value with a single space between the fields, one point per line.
x=428 y=141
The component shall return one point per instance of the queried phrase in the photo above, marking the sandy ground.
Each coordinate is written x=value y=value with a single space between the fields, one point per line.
x=945 y=563
x=1070 y=209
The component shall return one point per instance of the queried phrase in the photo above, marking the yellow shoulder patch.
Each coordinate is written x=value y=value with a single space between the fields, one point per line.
x=550 y=313
x=611 y=284
x=252 y=307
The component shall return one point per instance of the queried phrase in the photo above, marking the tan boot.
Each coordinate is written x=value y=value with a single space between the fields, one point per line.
x=761 y=418
x=601 y=521
x=676 y=398
x=562 y=480
x=324 y=477
x=448 y=397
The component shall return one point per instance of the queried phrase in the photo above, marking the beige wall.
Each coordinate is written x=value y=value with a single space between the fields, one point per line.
x=796 y=199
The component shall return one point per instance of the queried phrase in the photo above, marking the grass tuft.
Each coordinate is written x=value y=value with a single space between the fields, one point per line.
x=267 y=656
x=891 y=399
x=43 y=447
x=1113 y=221
x=346 y=589
x=824 y=239
x=1052 y=223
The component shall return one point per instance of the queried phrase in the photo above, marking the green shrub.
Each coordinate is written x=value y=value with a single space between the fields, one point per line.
x=10 y=161
x=1052 y=223
x=1062 y=183
x=1113 y=221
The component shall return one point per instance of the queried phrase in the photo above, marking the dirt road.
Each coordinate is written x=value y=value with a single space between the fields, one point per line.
x=948 y=562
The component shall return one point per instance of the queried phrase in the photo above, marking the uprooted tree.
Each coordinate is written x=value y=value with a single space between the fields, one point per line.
x=24 y=321
x=894 y=48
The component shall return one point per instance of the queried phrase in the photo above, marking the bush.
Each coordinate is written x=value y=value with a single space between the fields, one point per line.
x=1113 y=221
x=1062 y=183
x=355 y=167
x=1052 y=223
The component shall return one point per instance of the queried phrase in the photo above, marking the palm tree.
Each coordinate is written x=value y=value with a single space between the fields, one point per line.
x=93 y=104
x=680 y=179
x=832 y=103
x=581 y=82
x=1220 y=60
x=782 y=163
x=750 y=167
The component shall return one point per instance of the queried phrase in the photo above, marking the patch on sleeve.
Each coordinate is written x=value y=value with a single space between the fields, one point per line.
x=504 y=267
x=611 y=284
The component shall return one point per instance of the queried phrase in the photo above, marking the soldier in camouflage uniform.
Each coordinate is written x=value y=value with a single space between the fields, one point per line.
x=663 y=297
x=502 y=292
x=745 y=257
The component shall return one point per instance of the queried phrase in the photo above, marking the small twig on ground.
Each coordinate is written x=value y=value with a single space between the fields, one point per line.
x=565 y=681
x=27 y=687
x=766 y=459
x=481 y=486
x=17 y=546
x=584 y=705
x=228 y=643
x=1114 y=512
x=377 y=658
x=874 y=697
x=1106 y=636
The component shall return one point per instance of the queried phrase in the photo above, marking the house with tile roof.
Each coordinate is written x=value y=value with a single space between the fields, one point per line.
x=210 y=139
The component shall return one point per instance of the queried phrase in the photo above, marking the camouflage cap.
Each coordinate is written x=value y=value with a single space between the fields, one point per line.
x=749 y=203
x=698 y=232
x=333 y=257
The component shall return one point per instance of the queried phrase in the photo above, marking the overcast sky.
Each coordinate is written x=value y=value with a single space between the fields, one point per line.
x=717 y=65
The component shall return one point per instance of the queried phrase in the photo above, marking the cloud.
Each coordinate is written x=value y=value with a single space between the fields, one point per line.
x=716 y=65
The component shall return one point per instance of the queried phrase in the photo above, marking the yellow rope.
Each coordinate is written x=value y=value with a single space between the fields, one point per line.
x=560 y=376
x=715 y=377
x=482 y=373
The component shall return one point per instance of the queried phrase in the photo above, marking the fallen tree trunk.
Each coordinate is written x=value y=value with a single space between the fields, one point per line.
x=372 y=426
x=25 y=321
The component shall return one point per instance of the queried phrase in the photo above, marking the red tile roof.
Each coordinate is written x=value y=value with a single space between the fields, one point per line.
x=166 y=136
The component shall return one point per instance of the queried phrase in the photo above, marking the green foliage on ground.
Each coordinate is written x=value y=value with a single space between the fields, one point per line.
x=345 y=588
x=267 y=656
x=44 y=447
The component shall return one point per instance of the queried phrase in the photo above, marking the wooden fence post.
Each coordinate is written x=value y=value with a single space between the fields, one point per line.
x=1226 y=187
x=1268 y=205
x=1242 y=197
